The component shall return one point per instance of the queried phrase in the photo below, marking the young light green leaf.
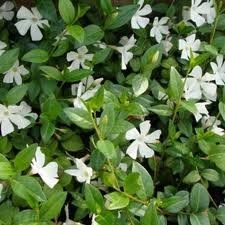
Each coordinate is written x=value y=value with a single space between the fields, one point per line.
x=116 y=200
x=107 y=148
x=151 y=216
x=139 y=84
x=77 y=32
x=6 y=170
x=51 y=72
x=67 y=11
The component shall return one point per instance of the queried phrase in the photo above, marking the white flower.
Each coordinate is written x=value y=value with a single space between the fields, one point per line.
x=212 y=122
x=6 y=11
x=197 y=85
x=85 y=90
x=219 y=70
x=78 y=58
x=138 y=21
x=30 y=20
x=211 y=15
x=167 y=45
x=48 y=173
x=15 y=73
x=1 y=189
x=159 y=28
x=188 y=45
x=2 y=46
x=83 y=173
x=139 y=145
x=126 y=56
x=14 y=114
x=201 y=110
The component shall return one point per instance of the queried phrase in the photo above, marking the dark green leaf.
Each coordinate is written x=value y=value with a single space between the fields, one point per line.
x=36 y=56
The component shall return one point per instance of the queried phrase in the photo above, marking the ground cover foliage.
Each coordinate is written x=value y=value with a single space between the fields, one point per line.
x=112 y=114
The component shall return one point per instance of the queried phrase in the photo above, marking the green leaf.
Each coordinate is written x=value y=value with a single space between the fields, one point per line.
x=73 y=144
x=27 y=217
x=93 y=198
x=151 y=216
x=199 y=199
x=189 y=106
x=131 y=185
x=145 y=181
x=97 y=101
x=67 y=11
x=107 y=149
x=100 y=56
x=210 y=175
x=220 y=214
x=175 y=85
x=24 y=157
x=116 y=200
x=80 y=117
x=217 y=155
x=106 y=6
x=139 y=84
x=176 y=203
x=28 y=189
x=51 y=72
x=16 y=94
x=222 y=110
x=122 y=16
x=77 y=32
x=199 y=219
x=93 y=33
x=8 y=59
x=192 y=177
x=52 y=207
x=161 y=110
x=47 y=130
x=76 y=75
x=36 y=56
x=6 y=170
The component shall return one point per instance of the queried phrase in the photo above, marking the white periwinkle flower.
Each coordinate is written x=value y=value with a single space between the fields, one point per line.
x=85 y=90
x=2 y=46
x=126 y=56
x=78 y=58
x=30 y=20
x=15 y=73
x=212 y=123
x=139 y=145
x=68 y=221
x=14 y=114
x=159 y=28
x=83 y=173
x=48 y=173
x=201 y=12
x=189 y=45
x=219 y=70
x=138 y=20
x=167 y=45
x=201 y=110
x=93 y=221
x=197 y=85
x=6 y=11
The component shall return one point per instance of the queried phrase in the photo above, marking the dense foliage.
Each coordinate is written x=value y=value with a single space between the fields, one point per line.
x=112 y=115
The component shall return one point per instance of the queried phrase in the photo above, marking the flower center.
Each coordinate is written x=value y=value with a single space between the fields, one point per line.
x=34 y=19
x=141 y=138
x=15 y=69
x=6 y=113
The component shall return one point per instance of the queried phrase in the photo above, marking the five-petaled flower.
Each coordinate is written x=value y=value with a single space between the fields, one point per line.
x=197 y=85
x=14 y=114
x=189 y=46
x=159 y=28
x=139 y=147
x=30 y=20
x=6 y=11
x=83 y=173
x=138 y=20
x=201 y=110
x=48 y=173
x=15 y=73
x=79 y=58
x=126 y=56
x=219 y=70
